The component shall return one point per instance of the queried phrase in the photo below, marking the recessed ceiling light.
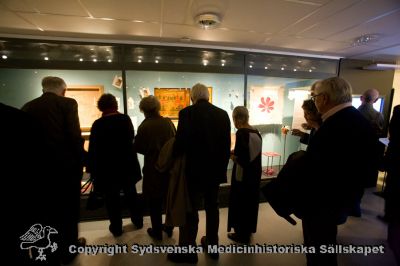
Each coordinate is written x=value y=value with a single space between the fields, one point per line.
x=94 y=60
x=80 y=59
x=299 y=61
x=222 y=64
x=156 y=61
x=46 y=58
x=365 y=39
x=251 y=66
x=109 y=60
x=294 y=70
x=4 y=56
x=310 y=70
x=266 y=67
x=205 y=62
x=91 y=49
x=282 y=68
x=139 y=60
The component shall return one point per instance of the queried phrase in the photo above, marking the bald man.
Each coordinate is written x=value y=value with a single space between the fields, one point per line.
x=366 y=108
x=375 y=118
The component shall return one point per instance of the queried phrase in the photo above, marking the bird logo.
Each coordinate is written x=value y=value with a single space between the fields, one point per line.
x=38 y=237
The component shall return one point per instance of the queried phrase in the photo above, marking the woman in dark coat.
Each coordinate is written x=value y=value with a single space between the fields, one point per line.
x=113 y=163
x=246 y=176
x=152 y=134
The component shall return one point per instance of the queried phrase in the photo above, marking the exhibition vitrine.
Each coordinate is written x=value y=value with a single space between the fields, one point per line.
x=271 y=86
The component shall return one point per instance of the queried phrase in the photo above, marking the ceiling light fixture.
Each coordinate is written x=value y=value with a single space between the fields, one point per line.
x=156 y=61
x=109 y=60
x=380 y=66
x=139 y=60
x=94 y=60
x=207 y=21
x=365 y=39
x=46 y=58
x=4 y=56
x=80 y=59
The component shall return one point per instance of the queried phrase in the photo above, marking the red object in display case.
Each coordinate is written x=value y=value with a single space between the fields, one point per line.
x=271 y=155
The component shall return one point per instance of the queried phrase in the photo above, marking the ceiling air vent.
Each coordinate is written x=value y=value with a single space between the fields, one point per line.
x=208 y=21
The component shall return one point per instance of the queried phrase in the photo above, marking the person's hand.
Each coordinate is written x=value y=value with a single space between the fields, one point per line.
x=297 y=132
x=306 y=126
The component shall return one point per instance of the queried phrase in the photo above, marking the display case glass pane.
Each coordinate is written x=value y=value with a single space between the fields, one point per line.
x=227 y=90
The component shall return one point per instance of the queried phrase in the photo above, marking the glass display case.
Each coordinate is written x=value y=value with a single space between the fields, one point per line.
x=271 y=86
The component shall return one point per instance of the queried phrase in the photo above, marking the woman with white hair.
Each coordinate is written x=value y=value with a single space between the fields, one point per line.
x=246 y=177
x=152 y=134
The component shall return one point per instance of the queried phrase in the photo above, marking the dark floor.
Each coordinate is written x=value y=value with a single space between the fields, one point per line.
x=271 y=230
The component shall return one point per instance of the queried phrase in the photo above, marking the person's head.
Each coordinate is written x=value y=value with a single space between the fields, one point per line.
x=311 y=114
x=370 y=96
x=330 y=93
x=150 y=106
x=199 y=92
x=313 y=86
x=54 y=85
x=107 y=103
x=240 y=116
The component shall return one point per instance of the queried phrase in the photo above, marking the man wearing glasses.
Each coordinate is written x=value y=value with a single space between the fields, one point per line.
x=340 y=155
x=305 y=137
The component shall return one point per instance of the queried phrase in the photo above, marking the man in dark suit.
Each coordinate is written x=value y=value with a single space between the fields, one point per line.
x=58 y=116
x=23 y=170
x=340 y=155
x=203 y=135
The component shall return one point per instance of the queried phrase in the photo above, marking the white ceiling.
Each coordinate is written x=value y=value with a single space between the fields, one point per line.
x=317 y=27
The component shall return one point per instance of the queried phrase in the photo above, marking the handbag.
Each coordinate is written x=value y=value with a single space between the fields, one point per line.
x=95 y=199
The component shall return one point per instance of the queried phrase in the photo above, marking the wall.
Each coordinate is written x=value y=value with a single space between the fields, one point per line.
x=396 y=86
x=361 y=80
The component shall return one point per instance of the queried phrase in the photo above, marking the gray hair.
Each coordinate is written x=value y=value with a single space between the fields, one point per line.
x=241 y=114
x=199 y=92
x=338 y=90
x=314 y=85
x=53 y=84
x=150 y=105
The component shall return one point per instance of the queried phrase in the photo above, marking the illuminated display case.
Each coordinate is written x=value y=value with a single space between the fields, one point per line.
x=271 y=86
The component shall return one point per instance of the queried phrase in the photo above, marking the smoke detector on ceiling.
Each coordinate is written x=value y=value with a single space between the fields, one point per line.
x=207 y=20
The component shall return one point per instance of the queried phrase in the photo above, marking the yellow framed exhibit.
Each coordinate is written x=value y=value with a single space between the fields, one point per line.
x=173 y=100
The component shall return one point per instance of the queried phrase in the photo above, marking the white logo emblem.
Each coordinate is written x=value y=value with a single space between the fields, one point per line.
x=38 y=237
